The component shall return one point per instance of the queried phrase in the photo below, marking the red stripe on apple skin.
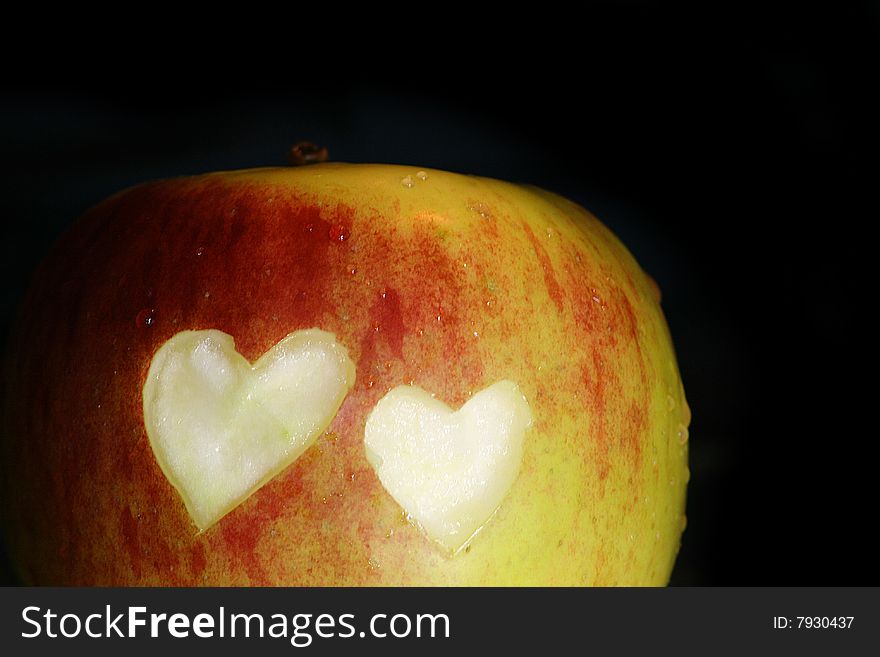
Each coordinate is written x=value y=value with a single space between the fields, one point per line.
x=607 y=323
x=634 y=430
x=595 y=380
x=383 y=339
x=243 y=533
x=198 y=563
x=455 y=371
x=131 y=541
x=553 y=288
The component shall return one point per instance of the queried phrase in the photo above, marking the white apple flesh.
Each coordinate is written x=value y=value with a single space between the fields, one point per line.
x=220 y=427
x=448 y=470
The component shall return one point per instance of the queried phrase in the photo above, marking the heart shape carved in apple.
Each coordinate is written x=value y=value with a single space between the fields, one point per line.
x=448 y=470
x=220 y=427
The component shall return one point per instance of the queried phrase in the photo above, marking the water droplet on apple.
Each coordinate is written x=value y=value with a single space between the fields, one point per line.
x=422 y=175
x=337 y=233
x=145 y=318
x=686 y=414
x=481 y=209
x=682 y=433
x=670 y=403
x=200 y=250
x=407 y=181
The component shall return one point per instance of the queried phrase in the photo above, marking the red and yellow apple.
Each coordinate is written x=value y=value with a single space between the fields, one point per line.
x=447 y=305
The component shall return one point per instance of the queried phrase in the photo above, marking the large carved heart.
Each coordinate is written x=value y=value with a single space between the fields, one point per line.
x=448 y=470
x=220 y=427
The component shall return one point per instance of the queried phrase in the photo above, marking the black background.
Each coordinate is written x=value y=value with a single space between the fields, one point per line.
x=734 y=152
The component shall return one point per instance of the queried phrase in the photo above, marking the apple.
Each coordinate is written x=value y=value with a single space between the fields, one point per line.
x=342 y=375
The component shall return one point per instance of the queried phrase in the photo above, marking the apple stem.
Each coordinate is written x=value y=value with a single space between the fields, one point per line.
x=306 y=152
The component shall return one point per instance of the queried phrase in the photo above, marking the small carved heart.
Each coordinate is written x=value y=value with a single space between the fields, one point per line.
x=221 y=428
x=449 y=470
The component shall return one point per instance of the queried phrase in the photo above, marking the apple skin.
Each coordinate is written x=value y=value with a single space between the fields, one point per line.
x=450 y=282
